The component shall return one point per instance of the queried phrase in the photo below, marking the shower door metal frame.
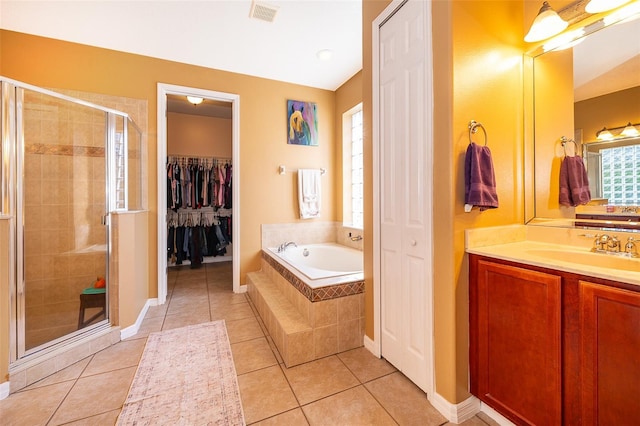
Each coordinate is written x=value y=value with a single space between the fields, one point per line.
x=13 y=145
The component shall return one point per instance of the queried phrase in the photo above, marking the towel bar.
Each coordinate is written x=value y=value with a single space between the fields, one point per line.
x=473 y=128
x=283 y=170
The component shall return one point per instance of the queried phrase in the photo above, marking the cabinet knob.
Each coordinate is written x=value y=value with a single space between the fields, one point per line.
x=414 y=242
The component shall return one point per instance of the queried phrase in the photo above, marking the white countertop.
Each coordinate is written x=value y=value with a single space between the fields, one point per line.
x=565 y=258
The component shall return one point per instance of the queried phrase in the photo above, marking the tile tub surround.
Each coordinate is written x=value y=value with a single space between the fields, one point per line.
x=274 y=234
x=333 y=323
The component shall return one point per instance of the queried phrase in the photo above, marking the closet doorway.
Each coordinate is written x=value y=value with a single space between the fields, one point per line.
x=217 y=209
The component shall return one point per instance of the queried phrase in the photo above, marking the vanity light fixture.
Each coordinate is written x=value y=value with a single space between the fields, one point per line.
x=195 y=100
x=630 y=131
x=597 y=6
x=564 y=41
x=624 y=14
x=547 y=24
x=604 y=135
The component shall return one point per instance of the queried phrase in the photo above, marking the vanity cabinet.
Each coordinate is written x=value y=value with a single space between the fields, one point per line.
x=610 y=329
x=549 y=347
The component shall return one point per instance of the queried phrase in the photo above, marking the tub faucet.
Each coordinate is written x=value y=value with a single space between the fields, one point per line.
x=284 y=246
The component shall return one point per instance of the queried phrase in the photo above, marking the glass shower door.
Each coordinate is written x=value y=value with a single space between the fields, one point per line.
x=62 y=177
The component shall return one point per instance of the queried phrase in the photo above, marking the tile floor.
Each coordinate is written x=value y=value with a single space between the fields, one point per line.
x=350 y=388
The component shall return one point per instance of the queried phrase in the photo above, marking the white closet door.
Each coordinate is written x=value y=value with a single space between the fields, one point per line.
x=405 y=185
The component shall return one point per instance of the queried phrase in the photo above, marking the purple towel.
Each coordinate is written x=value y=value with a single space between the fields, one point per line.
x=574 y=183
x=479 y=178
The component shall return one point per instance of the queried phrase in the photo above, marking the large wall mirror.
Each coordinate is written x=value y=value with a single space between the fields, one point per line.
x=578 y=91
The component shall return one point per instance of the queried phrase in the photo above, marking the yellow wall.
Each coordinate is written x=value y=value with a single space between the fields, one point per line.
x=612 y=110
x=266 y=196
x=347 y=96
x=477 y=48
x=198 y=136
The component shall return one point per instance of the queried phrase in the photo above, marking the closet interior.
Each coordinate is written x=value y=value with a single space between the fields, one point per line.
x=199 y=187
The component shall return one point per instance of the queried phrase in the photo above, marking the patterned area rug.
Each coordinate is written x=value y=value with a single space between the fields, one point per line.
x=186 y=376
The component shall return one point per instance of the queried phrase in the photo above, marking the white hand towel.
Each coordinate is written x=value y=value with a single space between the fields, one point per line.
x=309 y=191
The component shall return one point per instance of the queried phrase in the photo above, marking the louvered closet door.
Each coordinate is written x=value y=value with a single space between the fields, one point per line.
x=404 y=231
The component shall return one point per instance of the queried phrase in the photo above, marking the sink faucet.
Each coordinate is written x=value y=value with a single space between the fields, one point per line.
x=282 y=247
x=630 y=248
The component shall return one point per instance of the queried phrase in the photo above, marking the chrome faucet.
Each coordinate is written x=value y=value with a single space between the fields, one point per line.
x=282 y=247
x=630 y=248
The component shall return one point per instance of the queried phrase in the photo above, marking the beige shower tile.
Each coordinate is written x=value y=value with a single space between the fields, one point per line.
x=55 y=192
x=265 y=393
x=95 y=395
x=404 y=400
x=318 y=379
x=352 y=407
x=34 y=406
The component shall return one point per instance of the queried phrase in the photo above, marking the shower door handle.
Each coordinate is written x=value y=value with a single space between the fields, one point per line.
x=104 y=219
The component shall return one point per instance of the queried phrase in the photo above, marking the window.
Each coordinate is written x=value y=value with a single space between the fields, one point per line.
x=621 y=175
x=353 y=186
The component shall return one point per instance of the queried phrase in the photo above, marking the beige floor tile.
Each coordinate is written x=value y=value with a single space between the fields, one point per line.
x=364 y=365
x=404 y=400
x=475 y=421
x=185 y=318
x=265 y=393
x=290 y=418
x=188 y=306
x=252 y=355
x=226 y=297
x=319 y=379
x=355 y=406
x=149 y=325
x=274 y=349
x=95 y=395
x=72 y=372
x=486 y=419
x=244 y=329
x=121 y=355
x=231 y=312
x=105 y=419
x=33 y=407
x=157 y=311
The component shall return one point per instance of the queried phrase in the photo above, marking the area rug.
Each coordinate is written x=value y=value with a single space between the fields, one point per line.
x=186 y=376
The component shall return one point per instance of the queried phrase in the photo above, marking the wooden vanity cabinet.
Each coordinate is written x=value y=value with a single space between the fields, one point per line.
x=515 y=342
x=610 y=329
x=549 y=347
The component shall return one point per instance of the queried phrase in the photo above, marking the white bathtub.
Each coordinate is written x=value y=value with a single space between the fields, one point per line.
x=321 y=261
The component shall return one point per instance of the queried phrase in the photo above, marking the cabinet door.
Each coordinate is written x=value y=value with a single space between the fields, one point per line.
x=517 y=342
x=610 y=355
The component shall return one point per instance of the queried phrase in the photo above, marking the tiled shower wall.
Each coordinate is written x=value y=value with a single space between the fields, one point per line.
x=64 y=200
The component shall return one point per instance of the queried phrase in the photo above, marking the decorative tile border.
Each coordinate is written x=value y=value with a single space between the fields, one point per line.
x=73 y=150
x=315 y=294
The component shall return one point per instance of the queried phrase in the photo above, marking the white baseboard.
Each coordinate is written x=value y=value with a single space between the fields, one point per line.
x=499 y=418
x=133 y=329
x=371 y=346
x=242 y=289
x=4 y=390
x=456 y=413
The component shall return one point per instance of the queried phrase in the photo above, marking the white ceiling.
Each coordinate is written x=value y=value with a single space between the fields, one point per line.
x=213 y=33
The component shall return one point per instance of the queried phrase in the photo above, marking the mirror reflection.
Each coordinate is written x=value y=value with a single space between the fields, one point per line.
x=590 y=94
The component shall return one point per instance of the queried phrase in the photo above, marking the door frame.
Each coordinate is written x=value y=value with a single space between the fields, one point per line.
x=171 y=89
x=375 y=345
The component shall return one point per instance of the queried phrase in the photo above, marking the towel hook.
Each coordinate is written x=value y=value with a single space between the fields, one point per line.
x=564 y=141
x=473 y=128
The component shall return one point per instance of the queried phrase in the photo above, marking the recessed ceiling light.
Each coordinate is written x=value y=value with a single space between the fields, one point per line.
x=324 y=54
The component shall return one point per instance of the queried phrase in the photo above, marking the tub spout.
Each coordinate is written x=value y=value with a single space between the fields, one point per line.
x=284 y=246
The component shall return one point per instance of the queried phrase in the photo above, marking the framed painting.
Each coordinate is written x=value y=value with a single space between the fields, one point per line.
x=302 y=123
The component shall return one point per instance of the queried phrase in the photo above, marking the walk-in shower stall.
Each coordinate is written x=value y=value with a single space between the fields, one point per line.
x=65 y=165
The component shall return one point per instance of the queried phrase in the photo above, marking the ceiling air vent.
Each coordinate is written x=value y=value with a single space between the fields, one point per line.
x=263 y=11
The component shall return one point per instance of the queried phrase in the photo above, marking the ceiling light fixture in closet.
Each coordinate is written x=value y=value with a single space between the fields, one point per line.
x=195 y=100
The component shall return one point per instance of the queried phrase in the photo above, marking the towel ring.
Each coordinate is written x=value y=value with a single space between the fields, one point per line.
x=473 y=128
x=564 y=141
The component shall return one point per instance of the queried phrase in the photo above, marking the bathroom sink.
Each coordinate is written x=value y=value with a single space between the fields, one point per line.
x=586 y=258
